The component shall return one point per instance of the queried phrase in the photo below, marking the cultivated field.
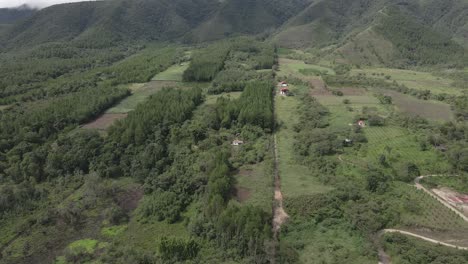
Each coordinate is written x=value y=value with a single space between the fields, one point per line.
x=427 y=109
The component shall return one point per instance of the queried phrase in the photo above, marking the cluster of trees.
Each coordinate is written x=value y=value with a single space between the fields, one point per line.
x=246 y=56
x=142 y=66
x=206 y=63
x=244 y=229
x=313 y=139
x=51 y=69
x=25 y=132
x=256 y=105
x=232 y=64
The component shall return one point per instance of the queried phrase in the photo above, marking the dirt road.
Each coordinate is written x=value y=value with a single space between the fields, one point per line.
x=435 y=241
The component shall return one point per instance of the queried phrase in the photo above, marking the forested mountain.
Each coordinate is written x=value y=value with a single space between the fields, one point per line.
x=351 y=25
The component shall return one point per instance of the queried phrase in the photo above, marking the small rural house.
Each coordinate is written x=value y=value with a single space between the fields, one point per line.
x=284 y=91
x=348 y=141
x=283 y=84
x=441 y=148
x=237 y=142
x=361 y=123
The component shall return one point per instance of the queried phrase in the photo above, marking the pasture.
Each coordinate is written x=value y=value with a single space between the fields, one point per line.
x=412 y=79
x=298 y=68
x=173 y=73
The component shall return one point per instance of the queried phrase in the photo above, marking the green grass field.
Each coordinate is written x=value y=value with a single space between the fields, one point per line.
x=412 y=79
x=174 y=73
x=139 y=93
x=296 y=179
x=293 y=67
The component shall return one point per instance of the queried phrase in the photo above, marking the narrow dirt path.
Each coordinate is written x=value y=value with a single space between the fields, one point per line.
x=279 y=215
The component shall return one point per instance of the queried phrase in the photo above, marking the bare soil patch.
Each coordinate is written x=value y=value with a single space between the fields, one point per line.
x=352 y=91
x=458 y=200
x=245 y=172
x=129 y=199
x=319 y=87
x=242 y=193
x=104 y=121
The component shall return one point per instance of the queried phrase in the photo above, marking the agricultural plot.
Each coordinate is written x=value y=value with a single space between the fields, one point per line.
x=424 y=215
x=398 y=145
x=412 y=79
x=433 y=110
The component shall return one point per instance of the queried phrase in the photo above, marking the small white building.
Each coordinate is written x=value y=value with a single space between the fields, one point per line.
x=237 y=142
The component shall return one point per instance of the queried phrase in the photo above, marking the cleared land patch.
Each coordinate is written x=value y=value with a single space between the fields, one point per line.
x=428 y=109
x=104 y=121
